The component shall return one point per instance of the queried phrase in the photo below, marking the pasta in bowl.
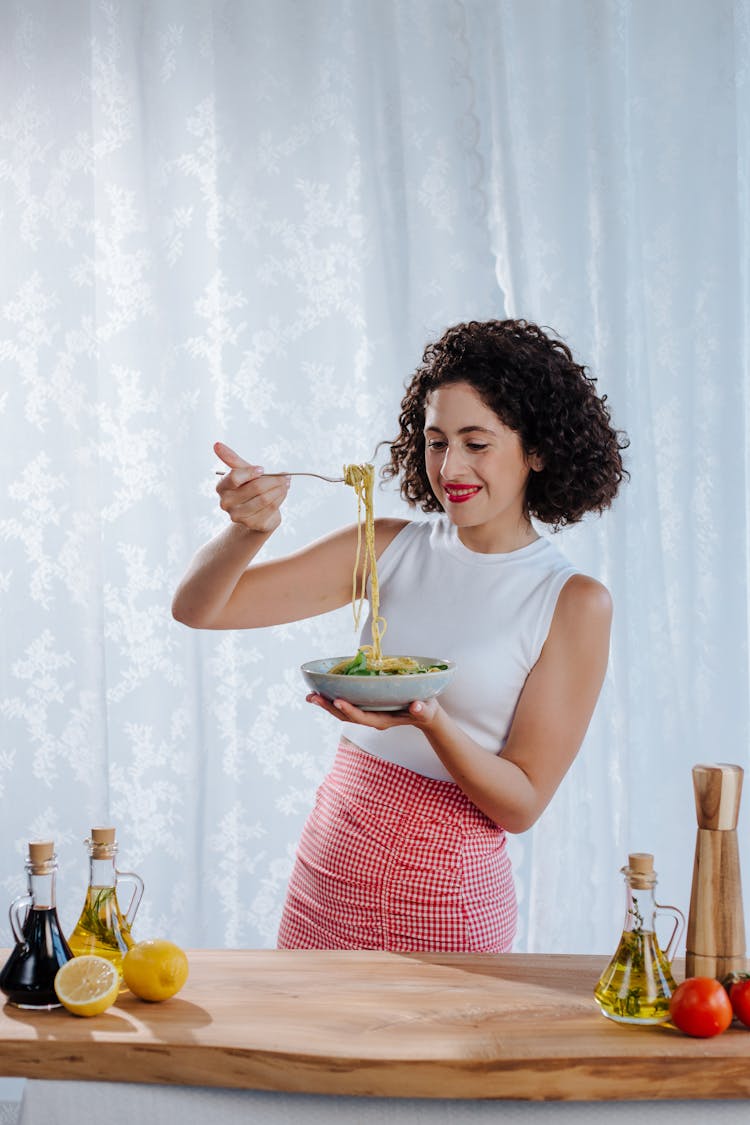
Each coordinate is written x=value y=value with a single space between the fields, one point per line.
x=368 y=679
x=384 y=689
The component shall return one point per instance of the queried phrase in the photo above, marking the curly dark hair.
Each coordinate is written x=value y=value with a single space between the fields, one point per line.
x=533 y=384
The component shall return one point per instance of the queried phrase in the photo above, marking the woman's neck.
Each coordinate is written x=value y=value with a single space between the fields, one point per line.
x=491 y=539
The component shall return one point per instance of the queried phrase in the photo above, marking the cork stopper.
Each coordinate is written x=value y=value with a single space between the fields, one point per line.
x=102 y=835
x=641 y=872
x=102 y=843
x=718 y=789
x=40 y=851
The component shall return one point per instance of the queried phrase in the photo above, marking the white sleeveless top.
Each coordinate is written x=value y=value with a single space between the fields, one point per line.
x=489 y=613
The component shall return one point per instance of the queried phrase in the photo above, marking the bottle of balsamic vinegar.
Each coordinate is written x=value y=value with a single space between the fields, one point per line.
x=28 y=976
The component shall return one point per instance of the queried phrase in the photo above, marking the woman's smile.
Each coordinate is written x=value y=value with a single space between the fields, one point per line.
x=457 y=493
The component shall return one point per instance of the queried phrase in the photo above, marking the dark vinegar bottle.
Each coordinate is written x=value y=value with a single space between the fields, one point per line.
x=28 y=976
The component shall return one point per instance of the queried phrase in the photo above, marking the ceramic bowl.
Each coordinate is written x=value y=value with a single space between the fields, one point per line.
x=377 y=693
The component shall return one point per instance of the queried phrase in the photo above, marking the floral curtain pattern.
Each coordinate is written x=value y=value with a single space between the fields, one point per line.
x=243 y=221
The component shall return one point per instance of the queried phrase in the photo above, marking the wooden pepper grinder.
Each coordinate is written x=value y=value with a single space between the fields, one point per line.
x=715 y=942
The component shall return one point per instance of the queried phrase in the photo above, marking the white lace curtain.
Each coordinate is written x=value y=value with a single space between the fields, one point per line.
x=243 y=221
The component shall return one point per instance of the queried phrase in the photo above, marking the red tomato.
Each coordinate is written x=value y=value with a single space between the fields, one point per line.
x=701 y=1007
x=739 y=995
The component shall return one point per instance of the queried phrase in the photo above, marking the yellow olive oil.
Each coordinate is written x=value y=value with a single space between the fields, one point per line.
x=637 y=984
x=101 y=928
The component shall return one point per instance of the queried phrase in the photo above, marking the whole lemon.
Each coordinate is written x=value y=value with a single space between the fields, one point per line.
x=155 y=969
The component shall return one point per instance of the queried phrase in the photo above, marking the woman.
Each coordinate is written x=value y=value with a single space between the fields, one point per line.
x=405 y=848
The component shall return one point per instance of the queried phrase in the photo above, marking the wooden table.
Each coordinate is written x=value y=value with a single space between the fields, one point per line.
x=380 y=1024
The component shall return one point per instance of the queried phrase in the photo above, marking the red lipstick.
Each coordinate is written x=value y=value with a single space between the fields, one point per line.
x=460 y=493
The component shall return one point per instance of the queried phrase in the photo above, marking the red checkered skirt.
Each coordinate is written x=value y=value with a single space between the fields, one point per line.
x=390 y=859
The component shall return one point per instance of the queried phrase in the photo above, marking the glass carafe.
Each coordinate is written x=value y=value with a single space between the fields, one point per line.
x=103 y=927
x=637 y=984
x=28 y=976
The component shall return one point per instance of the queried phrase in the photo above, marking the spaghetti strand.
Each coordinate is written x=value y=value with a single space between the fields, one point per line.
x=362 y=480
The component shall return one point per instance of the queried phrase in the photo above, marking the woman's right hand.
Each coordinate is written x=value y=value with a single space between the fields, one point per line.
x=250 y=498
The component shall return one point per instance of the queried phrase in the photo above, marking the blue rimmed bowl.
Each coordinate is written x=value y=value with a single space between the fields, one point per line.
x=377 y=693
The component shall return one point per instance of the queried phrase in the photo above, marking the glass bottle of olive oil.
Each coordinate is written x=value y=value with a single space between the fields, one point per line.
x=103 y=927
x=637 y=984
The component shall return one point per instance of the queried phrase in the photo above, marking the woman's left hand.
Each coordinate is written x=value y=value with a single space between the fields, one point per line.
x=418 y=714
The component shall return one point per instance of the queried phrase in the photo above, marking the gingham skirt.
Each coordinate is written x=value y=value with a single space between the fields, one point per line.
x=389 y=859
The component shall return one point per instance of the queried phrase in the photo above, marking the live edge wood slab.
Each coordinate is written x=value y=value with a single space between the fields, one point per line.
x=381 y=1024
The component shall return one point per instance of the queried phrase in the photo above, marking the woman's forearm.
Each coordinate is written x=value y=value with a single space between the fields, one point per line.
x=498 y=787
x=212 y=577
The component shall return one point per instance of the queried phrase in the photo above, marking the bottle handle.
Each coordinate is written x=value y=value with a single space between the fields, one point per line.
x=135 y=898
x=679 y=926
x=16 y=921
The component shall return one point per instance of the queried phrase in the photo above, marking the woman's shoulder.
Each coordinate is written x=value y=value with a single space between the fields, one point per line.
x=386 y=530
x=583 y=597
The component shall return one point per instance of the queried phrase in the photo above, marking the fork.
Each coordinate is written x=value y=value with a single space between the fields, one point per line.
x=331 y=480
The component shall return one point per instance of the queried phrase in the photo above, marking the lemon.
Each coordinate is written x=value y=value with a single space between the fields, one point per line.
x=155 y=969
x=87 y=985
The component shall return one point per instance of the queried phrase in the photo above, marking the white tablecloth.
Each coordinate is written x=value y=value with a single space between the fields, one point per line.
x=70 y=1103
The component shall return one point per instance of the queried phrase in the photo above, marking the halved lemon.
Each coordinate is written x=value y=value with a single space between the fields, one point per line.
x=155 y=969
x=87 y=985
